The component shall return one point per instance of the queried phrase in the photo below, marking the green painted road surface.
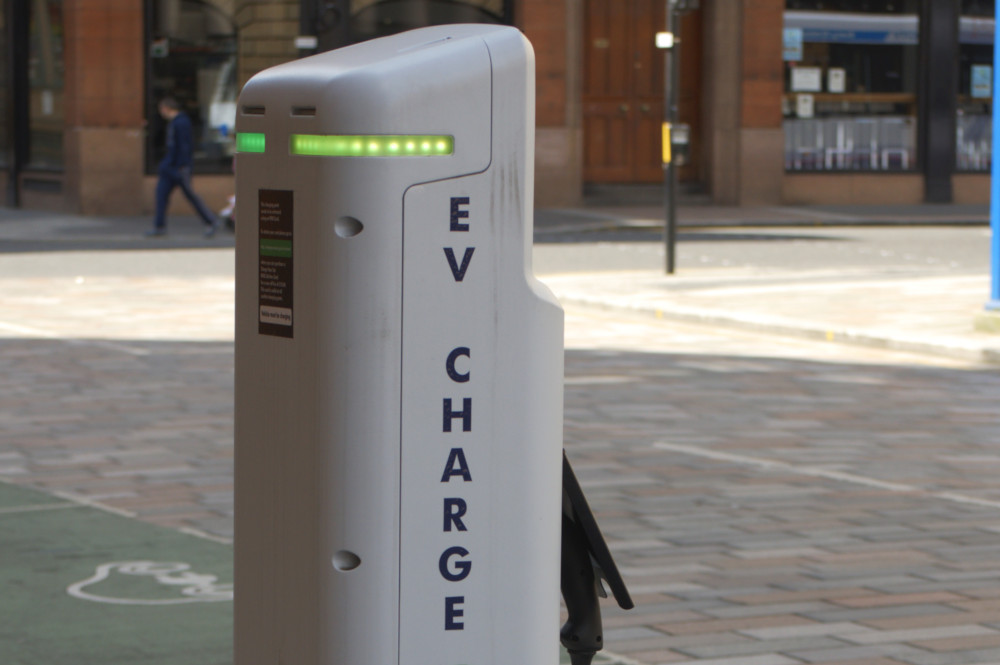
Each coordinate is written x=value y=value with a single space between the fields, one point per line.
x=81 y=586
x=125 y=609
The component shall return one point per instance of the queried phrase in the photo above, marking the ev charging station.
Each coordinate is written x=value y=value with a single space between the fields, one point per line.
x=398 y=368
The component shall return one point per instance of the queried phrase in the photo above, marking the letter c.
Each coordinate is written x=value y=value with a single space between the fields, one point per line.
x=450 y=364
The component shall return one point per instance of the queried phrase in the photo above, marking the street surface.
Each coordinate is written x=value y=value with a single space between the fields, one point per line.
x=771 y=500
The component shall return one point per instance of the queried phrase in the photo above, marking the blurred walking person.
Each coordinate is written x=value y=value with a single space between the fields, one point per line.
x=175 y=170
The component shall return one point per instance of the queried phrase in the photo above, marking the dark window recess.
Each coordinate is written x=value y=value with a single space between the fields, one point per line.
x=45 y=85
x=974 y=106
x=338 y=23
x=192 y=57
x=42 y=185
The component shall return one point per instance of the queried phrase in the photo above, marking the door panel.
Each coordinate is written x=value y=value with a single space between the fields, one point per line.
x=648 y=18
x=606 y=36
x=648 y=161
x=623 y=90
x=607 y=125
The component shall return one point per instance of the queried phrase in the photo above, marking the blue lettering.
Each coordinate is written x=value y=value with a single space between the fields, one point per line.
x=458 y=272
x=456 y=466
x=454 y=510
x=463 y=568
x=452 y=612
x=465 y=414
x=457 y=213
x=453 y=374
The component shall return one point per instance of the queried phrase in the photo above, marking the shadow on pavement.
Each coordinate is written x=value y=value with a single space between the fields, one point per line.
x=36 y=231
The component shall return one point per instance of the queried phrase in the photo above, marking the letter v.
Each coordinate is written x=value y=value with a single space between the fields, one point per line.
x=459 y=272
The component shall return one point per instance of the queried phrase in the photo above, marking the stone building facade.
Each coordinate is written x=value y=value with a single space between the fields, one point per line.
x=788 y=101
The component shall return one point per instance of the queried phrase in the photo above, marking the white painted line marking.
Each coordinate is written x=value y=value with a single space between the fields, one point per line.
x=194 y=588
x=37 y=508
x=198 y=533
x=774 y=465
x=90 y=503
x=82 y=501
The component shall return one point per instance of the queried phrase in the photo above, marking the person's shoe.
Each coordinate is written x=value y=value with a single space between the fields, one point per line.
x=212 y=228
x=155 y=233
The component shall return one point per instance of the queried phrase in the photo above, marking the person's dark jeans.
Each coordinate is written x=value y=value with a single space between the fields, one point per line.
x=169 y=179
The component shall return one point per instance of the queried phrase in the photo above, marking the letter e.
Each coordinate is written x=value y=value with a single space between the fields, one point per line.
x=454 y=611
x=457 y=213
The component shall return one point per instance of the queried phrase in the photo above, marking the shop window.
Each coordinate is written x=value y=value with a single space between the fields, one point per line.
x=377 y=18
x=850 y=101
x=45 y=85
x=192 y=58
x=974 y=121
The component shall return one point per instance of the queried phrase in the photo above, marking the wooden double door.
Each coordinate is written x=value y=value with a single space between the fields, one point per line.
x=623 y=90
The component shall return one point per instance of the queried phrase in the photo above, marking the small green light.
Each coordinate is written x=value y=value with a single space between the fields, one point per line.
x=249 y=142
x=393 y=145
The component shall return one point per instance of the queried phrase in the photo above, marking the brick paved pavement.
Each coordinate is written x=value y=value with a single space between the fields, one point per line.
x=770 y=500
x=781 y=501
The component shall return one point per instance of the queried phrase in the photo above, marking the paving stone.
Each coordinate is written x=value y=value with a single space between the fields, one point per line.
x=631 y=633
x=902 y=653
x=868 y=636
x=763 y=659
x=784 y=632
x=747 y=649
x=964 y=643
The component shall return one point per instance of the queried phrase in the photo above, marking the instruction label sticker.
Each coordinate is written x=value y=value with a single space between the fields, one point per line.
x=274 y=212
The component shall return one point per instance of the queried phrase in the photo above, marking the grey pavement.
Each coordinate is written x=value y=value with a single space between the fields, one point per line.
x=771 y=499
x=847 y=275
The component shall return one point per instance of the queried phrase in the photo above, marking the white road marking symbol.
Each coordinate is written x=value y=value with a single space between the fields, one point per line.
x=195 y=588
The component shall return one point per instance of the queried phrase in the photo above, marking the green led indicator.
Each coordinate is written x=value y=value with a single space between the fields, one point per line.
x=395 y=145
x=249 y=142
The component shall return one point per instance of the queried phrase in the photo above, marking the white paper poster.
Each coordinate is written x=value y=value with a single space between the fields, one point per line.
x=804 y=106
x=836 y=80
x=807 y=79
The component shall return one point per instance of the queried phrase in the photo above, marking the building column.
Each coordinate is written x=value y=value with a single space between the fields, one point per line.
x=723 y=23
x=104 y=43
x=555 y=28
x=938 y=90
x=761 y=138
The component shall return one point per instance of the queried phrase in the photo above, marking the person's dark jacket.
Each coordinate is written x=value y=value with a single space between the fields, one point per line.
x=180 y=145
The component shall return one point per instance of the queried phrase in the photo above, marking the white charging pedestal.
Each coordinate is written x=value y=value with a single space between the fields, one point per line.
x=398 y=367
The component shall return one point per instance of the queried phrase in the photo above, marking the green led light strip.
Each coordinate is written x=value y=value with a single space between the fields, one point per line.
x=395 y=145
x=249 y=142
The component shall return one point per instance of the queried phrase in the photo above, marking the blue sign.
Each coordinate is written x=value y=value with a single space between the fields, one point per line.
x=792 y=44
x=835 y=36
x=982 y=81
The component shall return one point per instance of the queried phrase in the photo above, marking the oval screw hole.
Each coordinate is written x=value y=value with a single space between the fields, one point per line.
x=348 y=227
x=344 y=560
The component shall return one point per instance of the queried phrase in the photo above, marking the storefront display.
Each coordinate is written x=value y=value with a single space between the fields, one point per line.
x=851 y=89
x=192 y=58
